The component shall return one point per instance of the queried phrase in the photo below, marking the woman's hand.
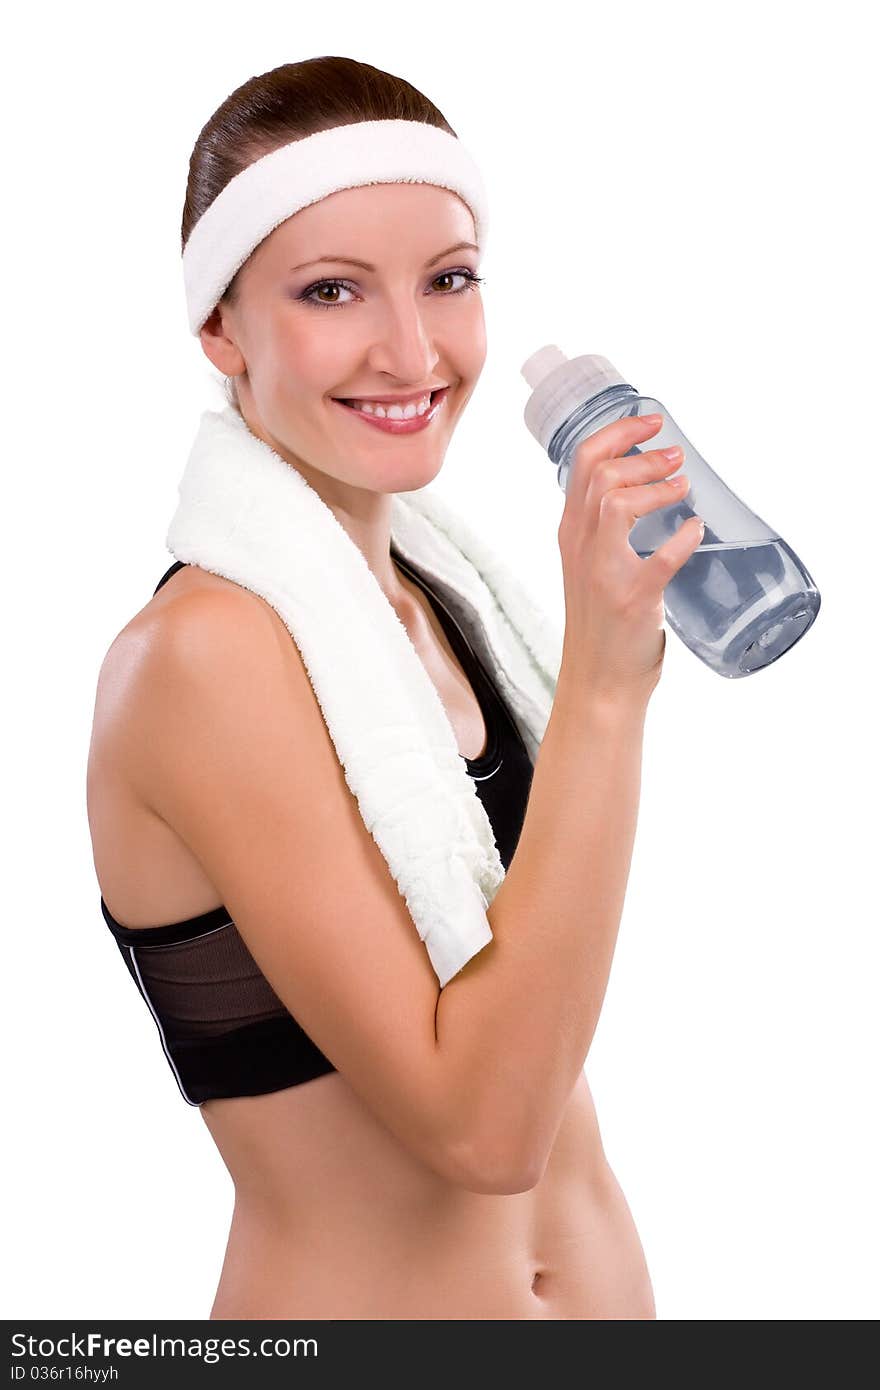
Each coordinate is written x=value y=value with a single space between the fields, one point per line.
x=614 y=635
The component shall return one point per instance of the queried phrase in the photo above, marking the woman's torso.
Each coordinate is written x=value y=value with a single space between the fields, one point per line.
x=333 y=1218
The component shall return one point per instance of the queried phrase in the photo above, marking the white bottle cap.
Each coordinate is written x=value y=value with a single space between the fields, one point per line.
x=561 y=384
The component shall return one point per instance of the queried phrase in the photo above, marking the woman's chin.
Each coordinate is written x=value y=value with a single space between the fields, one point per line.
x=408 y=479
x=395 y=474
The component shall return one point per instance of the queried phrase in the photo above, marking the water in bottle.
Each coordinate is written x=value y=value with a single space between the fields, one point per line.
x=743 y=598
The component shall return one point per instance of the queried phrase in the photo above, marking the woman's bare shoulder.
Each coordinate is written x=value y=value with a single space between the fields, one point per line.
x=194 y=611
x=191 y=596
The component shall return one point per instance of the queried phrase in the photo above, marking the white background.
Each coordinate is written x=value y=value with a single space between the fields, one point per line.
x=685 y=189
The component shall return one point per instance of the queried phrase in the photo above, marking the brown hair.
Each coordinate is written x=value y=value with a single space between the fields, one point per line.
x=290 y=103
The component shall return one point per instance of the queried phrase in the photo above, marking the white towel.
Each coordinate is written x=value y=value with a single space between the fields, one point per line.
x=248 y=515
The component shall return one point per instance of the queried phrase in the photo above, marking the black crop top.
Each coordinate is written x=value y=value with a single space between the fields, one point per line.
x=223 y=1028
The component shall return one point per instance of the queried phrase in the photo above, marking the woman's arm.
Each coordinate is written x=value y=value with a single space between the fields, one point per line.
x=223 y=738
x=514 y=1026
x=219 y=733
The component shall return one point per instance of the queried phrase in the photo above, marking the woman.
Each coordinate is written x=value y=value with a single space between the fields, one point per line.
x=405 y=1151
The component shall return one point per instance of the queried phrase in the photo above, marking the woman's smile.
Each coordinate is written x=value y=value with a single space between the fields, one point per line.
x=392 y=425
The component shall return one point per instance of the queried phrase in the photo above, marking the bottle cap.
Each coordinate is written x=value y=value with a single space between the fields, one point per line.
x=560 y=384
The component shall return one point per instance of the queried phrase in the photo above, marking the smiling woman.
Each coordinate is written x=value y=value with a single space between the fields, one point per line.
x=404 y=335
x=299 y=843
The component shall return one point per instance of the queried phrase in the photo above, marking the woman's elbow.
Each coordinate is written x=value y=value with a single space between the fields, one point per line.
x=497 y=1171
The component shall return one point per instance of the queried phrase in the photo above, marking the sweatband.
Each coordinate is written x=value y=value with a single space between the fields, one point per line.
x=280 y=183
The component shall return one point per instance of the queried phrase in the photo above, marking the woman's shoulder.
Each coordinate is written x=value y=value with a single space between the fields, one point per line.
x=199 y=631
x=191 y=602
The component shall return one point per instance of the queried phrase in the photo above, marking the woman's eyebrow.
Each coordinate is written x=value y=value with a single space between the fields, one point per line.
x=365 y=265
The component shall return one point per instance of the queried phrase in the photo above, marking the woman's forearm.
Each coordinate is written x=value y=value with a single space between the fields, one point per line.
x=515 y=1026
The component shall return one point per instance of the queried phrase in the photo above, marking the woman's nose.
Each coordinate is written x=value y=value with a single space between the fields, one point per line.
x=404 y=345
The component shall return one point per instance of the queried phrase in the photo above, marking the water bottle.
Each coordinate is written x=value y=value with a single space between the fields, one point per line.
x=743 y=598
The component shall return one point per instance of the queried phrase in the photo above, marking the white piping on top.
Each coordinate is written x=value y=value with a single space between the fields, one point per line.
x=143 y=990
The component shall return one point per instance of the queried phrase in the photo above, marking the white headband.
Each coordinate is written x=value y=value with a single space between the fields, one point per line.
x=277 y=185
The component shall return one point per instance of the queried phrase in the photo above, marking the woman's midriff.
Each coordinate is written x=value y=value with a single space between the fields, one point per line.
x=333 y=1218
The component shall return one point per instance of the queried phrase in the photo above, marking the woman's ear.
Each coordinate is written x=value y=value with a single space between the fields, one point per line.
x=218 y=346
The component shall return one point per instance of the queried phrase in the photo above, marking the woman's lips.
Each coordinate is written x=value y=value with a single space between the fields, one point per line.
x=411 y=426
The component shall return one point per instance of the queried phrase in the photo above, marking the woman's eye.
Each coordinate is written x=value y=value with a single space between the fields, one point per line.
x=314 y=295
x=325 y=285
x=451 y=274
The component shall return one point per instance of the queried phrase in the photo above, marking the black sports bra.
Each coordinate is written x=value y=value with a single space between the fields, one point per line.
x=223 y=1028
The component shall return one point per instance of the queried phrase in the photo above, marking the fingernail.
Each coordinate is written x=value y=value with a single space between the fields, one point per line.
x=651 y=419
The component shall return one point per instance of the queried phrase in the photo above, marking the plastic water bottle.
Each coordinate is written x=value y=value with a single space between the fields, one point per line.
x=743 y=598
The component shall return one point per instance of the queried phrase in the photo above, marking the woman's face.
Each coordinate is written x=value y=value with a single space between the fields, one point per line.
x=306 y=335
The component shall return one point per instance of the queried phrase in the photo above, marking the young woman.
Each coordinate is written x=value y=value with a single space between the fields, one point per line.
x=401 y=1150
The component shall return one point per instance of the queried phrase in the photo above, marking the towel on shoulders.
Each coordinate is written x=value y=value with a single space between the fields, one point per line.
x=245 y=513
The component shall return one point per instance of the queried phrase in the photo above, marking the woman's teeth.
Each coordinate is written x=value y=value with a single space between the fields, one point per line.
x=393 y=412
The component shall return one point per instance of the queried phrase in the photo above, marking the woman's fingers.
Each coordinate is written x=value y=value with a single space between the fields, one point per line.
x=612 y=441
